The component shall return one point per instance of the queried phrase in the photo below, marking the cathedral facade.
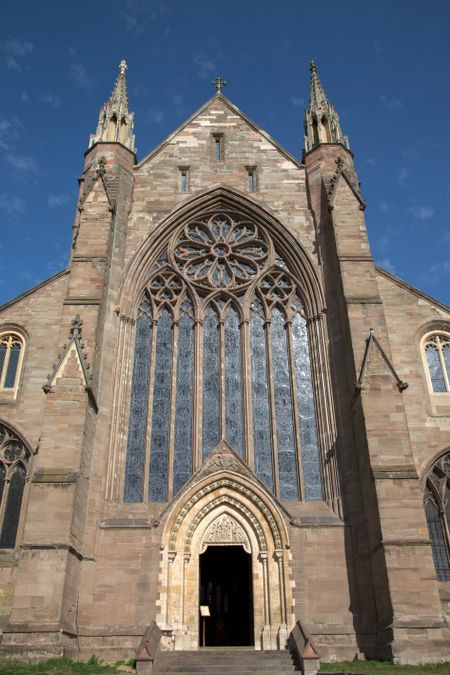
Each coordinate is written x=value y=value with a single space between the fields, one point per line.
x=223 y=403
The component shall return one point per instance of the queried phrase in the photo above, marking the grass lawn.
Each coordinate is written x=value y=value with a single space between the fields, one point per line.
x=384 y=668
x=57 y=667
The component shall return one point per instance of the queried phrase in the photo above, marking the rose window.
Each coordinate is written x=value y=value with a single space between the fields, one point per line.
x=221 y=252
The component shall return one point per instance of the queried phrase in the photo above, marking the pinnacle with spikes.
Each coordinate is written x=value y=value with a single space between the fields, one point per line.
x=115 y=122
x=119 y=95
x=321 y=119
x=317 y=94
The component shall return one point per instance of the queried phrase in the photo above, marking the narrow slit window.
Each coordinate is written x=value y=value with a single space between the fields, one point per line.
x=251 y=172
x=184 y=176
x=218 y=146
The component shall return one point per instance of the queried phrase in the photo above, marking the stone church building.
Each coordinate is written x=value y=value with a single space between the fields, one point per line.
x=223 y=402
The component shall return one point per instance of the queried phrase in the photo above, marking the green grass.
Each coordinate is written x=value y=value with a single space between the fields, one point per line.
x=385 y=668
x=59 y=666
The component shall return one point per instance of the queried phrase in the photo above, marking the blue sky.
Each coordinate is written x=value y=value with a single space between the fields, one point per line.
x=384 y=65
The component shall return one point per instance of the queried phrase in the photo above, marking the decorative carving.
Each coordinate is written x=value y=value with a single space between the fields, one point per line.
x=350 y=176
x=75 y=339
x=235 y=487
x=223 y=458
x=372 y=342
x=109 y=184
x=221 y=251
x=225 y=531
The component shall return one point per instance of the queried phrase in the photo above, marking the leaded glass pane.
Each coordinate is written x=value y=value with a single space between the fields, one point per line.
x=260 y=402
x=2 y=481
x=211 y=383
x=287 y=465
x=12 y=513
x=446 y=357
x=159 y=447
x=182 y=458
x=233 y=382
x=13 y=362
x=306 y=414
x=137 y=426
x=438 y=543
x=3 y=349
x=435 y=368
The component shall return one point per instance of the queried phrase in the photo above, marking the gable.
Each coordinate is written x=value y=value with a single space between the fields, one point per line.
x=219 y=114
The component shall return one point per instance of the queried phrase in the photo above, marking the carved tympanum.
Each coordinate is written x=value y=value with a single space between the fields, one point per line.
x=225 y=531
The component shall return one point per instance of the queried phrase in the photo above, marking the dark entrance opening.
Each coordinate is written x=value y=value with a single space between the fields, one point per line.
x=226 y=587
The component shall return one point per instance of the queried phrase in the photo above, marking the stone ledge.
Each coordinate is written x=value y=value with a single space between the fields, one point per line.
x=395 y=471
x=55 y=476
x=120 y=523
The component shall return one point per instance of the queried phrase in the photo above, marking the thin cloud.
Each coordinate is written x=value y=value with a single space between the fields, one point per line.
x=12 y=205
x=421 y=212
x=79 y=74
x=371 y=161
x=16 y=51
x=24 y=97
x=387 y=264
x=52 y=100
x=206 y=66
x=54 y=201
x=23 y=165
x=155 y=116
x=403 y=175
x=384 y=241
x=436 y=272
x=139 y=13
x=391 y=103
x=384 y=207
x=297 y=102
x=8 y=132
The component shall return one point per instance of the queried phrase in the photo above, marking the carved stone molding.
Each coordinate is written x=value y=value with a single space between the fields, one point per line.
x=225 y=531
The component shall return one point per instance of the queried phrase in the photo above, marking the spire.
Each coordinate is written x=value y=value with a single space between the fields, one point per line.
x=115 y=122
x=321 y=119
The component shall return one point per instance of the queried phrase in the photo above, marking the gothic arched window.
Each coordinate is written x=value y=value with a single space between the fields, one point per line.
x=11 y=358
x=14 y=459
x=221 y=353
x=437 y=353
x=437 y=509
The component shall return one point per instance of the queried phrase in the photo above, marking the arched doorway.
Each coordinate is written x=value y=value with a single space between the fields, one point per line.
x=225 y=509
x=226 y=589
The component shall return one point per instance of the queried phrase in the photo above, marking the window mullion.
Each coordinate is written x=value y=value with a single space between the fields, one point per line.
x=293 y=383
x=442 y=362
x=223 y=418
x=198 y=397
x=150 y=409
x=247 y=394
x=173 y=395
x=273 y=424
x=5 y=496
x=6 y=362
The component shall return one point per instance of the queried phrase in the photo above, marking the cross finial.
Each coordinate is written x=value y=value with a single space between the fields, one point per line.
x=218 y=83
x=122 y=67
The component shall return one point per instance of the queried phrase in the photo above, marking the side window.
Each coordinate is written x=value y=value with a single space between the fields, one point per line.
x=437 y=355
x=12 y=349
x=14 y=461
x=437 y=510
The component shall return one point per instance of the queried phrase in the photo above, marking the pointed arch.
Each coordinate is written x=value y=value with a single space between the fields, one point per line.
x=221 y=199
x=227 y=251
x=231 y=496
x=15 y=456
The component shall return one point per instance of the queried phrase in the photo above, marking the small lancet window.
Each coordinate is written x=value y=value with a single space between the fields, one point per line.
x=218 y=146
x=437 y=354
x=11 y=357
x=251 y=173
x=184 y=179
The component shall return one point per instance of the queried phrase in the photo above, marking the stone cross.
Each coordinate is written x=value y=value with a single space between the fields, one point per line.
x=218 y=83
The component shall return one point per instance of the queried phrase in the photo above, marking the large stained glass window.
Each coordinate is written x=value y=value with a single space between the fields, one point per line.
x=437 y=510
x=221 y=354
x=14 y=458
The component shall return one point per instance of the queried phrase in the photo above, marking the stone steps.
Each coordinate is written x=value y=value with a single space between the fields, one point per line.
x=242 y=661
